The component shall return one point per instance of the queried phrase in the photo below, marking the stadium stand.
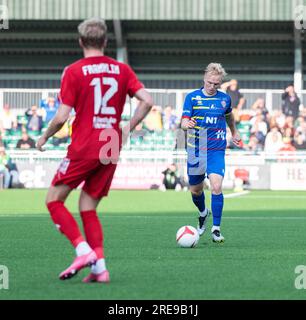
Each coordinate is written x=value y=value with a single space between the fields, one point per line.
x=165 y=54
x=261 y=129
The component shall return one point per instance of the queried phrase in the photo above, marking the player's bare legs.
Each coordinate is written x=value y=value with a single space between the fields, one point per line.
x=196 y=189
x=94 y=236
x=198 y=199
x=216 y=205
x=58 y=193
x=66 y=224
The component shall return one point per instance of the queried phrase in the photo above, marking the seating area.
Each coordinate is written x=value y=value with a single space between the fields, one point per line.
x=156 y=141
x=10 y=140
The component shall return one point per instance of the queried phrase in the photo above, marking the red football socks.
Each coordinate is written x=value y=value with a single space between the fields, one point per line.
x=65 y=222
x=93 y=231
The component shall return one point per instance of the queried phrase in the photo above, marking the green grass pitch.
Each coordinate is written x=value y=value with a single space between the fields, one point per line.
x=265 y=241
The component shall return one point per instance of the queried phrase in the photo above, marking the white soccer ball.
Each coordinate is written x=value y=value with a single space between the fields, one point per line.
x=187 y=237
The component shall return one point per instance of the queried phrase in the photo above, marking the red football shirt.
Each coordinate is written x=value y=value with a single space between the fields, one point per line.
x=96 y=87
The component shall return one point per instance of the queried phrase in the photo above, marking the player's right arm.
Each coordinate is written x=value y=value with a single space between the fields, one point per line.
x=187 y=121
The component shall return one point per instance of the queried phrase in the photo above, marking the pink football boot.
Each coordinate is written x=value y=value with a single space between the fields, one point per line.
x=79 y=263
x=100 y=277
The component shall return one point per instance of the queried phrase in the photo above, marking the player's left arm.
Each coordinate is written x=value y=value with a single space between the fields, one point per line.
x=231 y=124
x=55 y=125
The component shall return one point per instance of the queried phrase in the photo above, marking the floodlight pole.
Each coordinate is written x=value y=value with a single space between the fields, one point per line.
x=122 y=55
x=298 y=68
x=1 y=101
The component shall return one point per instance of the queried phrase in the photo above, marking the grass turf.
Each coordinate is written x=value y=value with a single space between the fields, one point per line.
x=265 y=241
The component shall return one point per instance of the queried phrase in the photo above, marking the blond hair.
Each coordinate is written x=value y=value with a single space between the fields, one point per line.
x=216 y=69
x=92 y=32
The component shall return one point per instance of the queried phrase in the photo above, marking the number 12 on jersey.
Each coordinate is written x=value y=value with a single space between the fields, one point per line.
x=101 y=99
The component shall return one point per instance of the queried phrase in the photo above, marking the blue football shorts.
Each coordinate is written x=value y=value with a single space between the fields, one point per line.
x=212 y=162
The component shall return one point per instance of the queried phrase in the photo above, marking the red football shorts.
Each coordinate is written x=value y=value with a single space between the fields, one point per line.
x=97 y=176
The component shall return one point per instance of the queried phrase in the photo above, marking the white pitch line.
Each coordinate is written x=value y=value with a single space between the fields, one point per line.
x=276 y=197
x=265 y=218
x=224 y=217
x=165 y=217
x=236 y=194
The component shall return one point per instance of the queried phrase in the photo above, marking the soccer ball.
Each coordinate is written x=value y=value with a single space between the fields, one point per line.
x=187 y=237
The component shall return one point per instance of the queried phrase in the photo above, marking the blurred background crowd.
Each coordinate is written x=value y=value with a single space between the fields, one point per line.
x=283 y=129
x=21 y=131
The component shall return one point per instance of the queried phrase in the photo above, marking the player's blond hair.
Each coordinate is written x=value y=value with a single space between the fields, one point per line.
x=216 y=69
x=92 y=32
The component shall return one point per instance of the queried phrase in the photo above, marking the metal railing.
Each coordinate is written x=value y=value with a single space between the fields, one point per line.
x=22 y=99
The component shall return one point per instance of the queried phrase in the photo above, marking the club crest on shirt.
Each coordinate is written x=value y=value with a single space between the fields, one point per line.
x=223 y=103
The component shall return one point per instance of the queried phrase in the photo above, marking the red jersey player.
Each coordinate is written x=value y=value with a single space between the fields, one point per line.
x=96 y=88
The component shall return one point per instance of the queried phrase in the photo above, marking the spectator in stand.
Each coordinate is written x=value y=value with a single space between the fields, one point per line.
x=50 y=106
x=303 y=113
x=25 y=142
x=8 y=119
x=35 y=121
x=259 y=104
x=273 y=141
x=153 y=121
x=288 y=129
x=290 y=102
x=287 y=145
x=171 y=179
x=299 y=121
x=299 y=141
x=254 y=145
x=4 y=170
x=61 y=136
x=278 y=119
x=232 y=89
x=300 y=127
x=288 y=133
x=259 y=120
x=169 y=119
x=272 y=122
x=9 y=171
x=259 y=127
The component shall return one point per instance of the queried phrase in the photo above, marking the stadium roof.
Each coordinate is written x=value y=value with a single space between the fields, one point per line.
x=164 y=54
x=215 y=10
x=167 y=42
